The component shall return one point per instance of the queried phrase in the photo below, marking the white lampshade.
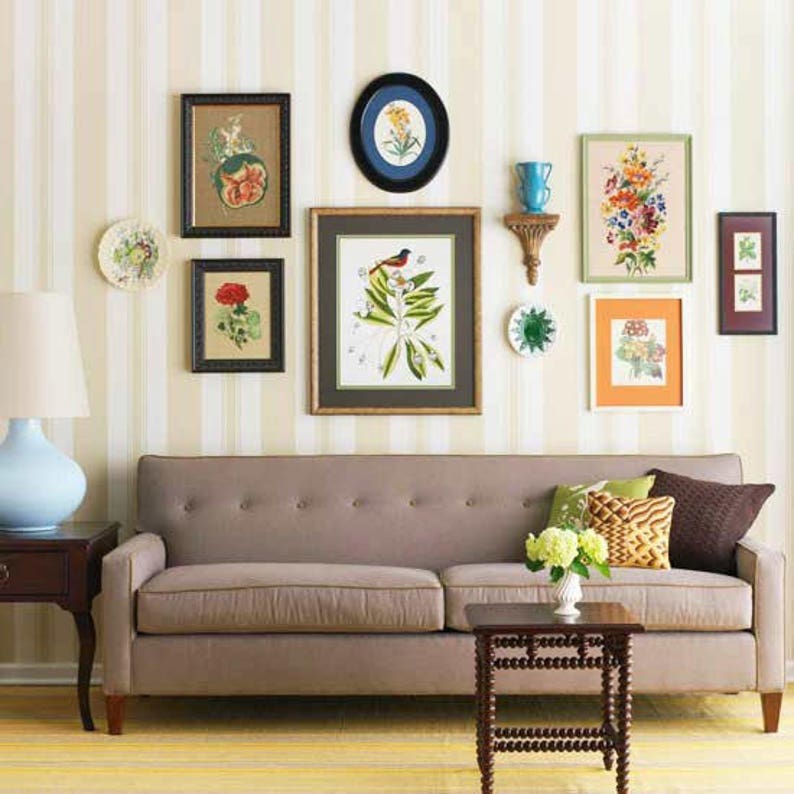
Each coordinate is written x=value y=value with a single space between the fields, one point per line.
x=41 y=369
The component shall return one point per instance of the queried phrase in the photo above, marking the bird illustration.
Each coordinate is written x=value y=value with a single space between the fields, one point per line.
x=399 y=260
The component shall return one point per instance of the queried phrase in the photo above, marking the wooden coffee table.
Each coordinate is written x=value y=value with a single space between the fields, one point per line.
x=599 y=638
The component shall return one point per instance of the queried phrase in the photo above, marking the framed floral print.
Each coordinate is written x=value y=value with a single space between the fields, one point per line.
x=238 y=315
x=235 y=165
x=636 y=208
x=399 y=132
x=636 y=353
x=395 y=311
x=748 y=272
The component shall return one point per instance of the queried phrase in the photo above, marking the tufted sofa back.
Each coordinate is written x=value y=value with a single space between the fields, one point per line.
x=417 y=511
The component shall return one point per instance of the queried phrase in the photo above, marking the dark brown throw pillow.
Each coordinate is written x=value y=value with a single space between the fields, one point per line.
x=708 y=520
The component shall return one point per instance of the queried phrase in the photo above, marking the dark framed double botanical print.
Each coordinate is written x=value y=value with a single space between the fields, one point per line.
x=748 y=272
x=238 y=315
x=235 y=165
x=395 y=311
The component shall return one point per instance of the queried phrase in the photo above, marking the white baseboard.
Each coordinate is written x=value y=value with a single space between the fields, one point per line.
x=790 y=671
x=58 y=674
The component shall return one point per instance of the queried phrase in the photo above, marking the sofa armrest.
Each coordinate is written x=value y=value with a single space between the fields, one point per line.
x=124 y=570
x=764 y=568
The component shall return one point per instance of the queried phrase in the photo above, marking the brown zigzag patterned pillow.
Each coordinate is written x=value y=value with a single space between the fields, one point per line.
x=637 y=530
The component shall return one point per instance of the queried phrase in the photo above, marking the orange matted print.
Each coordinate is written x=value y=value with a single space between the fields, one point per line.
x=636 y=352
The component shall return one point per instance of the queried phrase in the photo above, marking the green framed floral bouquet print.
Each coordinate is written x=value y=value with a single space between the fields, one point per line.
x=636 y=208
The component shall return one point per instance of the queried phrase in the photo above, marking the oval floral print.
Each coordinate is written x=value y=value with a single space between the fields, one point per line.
x=400 y=133
x=238 y=175
x=634 y=209
x=133 y=254
x=234 y=319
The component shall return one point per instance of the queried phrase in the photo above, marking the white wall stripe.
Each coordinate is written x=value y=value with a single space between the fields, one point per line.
x=154 y=86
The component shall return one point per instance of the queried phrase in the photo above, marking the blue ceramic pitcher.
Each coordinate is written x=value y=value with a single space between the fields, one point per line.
x=533 y=190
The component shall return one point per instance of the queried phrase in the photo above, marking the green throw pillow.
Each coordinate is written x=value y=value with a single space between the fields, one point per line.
x=570 y=501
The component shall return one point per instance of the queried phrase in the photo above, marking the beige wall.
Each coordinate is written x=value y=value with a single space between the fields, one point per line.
x=89 y=94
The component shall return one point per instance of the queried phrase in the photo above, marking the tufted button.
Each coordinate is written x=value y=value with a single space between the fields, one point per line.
x=412 y=503
x=301 y=504
x=356 y=503
x=244 y=505
x=187 y=507
x=526 y=503
x=469 y=502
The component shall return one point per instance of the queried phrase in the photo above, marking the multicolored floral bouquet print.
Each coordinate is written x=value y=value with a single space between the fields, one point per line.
x=399 y=309
x=640 y=349
x=238 y=175
x=233 y=319
x=634 y=210
x=401 y=141
x=136 y=254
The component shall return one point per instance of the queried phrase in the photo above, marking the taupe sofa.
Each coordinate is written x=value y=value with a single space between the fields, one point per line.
x=348 y=575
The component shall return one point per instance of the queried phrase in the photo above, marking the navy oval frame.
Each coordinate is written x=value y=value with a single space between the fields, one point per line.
x=413 y=89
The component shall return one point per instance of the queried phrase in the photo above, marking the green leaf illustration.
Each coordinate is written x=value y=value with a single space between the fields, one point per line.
x=390 y=362
x=421 y=278
x=430 y=317
x=433 y=355
x=416 y=361
x=380 y=303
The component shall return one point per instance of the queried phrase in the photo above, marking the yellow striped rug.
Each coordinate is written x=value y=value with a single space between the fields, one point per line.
x=685 y=745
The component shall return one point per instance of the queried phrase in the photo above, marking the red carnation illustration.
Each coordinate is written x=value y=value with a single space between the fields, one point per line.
x=230 y=294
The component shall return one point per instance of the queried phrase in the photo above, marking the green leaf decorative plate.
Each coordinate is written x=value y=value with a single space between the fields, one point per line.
x=133 y=254
x=531 y=330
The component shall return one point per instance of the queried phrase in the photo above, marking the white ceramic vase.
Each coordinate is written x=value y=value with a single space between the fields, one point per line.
x=567 y=593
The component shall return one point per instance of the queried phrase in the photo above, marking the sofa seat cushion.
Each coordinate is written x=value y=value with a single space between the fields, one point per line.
x=238 y=598
x=663 y=600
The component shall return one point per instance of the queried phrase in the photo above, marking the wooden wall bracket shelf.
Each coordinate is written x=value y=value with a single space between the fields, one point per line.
x=531 y=229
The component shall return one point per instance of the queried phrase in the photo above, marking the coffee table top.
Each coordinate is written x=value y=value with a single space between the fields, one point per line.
x=595 y=618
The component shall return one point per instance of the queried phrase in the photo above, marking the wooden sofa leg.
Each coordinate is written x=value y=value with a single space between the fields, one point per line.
x=770 y=705
x=114 y=706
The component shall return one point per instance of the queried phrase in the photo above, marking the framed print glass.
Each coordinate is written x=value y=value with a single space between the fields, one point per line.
x=399 y=132
x=235 y=165
x=395 y=311
x=238 y=315
x=748 y=272
x=636 y=353
x=636 y=208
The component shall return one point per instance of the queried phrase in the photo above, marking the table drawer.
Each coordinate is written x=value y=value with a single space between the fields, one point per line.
x=33 y=573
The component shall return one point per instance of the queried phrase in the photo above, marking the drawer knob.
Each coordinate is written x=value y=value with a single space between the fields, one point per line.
x=5 y=574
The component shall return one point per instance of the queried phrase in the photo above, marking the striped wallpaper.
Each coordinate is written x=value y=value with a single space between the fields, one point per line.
x=89 y=95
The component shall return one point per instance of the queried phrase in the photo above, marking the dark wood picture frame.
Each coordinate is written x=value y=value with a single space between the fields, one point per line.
x=199 y=360
x=462 y=225
x=360 y=129
x=189 y=228
x=757 y=227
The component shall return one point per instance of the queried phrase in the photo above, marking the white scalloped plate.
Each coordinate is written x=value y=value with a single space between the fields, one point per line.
x=133 y=254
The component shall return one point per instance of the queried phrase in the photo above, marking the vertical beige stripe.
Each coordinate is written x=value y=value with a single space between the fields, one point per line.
x=560 y=254
x=184 y=388
x=465 y=112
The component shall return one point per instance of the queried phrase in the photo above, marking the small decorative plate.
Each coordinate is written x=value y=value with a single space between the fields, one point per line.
x=531 y=330
x=133 y=254
x=399 y=132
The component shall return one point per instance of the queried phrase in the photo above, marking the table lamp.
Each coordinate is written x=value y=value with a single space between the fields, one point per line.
x=41 y=375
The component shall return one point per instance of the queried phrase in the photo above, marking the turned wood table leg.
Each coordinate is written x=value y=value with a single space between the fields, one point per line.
x=607 y=704
x=87 y=635
x=486 y=712
x=624 y=713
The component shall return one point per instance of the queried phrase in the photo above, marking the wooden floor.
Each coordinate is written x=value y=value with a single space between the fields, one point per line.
x=685 y=745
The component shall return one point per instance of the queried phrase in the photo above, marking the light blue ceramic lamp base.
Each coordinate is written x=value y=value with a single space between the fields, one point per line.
x=39 y=485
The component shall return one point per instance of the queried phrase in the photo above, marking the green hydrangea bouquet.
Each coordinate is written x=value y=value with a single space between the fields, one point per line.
x=568 y=552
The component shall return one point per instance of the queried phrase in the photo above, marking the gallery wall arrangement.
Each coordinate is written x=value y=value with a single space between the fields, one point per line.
x=214 y=135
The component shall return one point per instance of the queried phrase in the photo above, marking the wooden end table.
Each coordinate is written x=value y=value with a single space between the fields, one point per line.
x=63 y=567
x=599 y=638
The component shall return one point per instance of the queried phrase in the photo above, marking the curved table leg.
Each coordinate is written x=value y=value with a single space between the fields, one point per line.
x=87 y=635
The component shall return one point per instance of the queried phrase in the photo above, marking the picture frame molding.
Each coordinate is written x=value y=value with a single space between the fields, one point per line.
x=592 y=371
x=721 y=217
x=187 y=103
x=315 y=405
x=686 y=138
x=199 y=267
